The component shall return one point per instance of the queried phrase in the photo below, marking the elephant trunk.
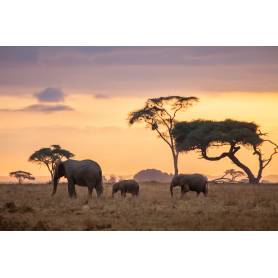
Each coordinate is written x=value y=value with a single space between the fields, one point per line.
x=171 y=190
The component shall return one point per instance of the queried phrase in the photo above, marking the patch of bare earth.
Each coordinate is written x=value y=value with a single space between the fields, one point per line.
x=227 y=207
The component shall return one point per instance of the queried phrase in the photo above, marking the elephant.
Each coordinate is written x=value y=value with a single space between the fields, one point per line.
x=126 y=186
x=190 y=182
x=80 y=172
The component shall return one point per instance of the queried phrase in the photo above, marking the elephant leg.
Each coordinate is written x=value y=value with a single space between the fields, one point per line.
x=184 y=189
x=99 y=191
x=123 y=193
x=90 y=191
x=182 y=192
x=71 y=189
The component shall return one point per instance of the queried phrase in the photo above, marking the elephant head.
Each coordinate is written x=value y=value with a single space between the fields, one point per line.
x=175 y=182
x=58 y=173
x=115 y=188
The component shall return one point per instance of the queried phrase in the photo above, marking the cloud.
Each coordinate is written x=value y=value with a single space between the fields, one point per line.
x=139 y=71
x=46 y=108
x=50 y=95
x=101 y=96
x=98 y=55
x=40 y=108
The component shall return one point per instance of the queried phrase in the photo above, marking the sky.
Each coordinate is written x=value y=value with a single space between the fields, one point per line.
x=80 y=97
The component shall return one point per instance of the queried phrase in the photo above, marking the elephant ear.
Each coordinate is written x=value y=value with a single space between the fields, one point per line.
x=60 y=170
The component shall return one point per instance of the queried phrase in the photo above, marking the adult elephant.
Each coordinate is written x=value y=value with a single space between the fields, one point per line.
x=80 y=172
x=190 y=182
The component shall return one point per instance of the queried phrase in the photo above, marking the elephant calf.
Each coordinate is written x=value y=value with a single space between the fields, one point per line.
x=193 y=182
x=126 y=186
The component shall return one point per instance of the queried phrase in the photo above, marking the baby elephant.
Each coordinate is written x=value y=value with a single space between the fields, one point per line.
x=126 y=186
x=193 y=182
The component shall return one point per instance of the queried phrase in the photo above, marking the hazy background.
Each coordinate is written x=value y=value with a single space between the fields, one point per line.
x=79 y=97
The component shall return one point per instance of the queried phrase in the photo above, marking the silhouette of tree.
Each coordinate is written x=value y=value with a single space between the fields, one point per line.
x=230 y=175
x=202 y=135
x=21 y=176
x=234 y=174
x=49 y=157
x=159 y=114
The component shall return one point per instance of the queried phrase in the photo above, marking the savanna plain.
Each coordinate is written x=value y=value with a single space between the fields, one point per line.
x=227 y=207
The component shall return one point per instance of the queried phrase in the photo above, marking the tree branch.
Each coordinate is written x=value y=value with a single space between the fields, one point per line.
x=160 y=134
x=232 y=151
x=275 y=151
x=215 y=158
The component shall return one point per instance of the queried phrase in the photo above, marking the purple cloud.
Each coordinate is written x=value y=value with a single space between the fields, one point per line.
x=50 y=95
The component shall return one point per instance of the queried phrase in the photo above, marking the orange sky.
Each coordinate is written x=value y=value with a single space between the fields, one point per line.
x=98 y=129
x=79 y=97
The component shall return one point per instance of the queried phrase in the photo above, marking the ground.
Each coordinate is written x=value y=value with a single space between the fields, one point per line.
x=227 y=207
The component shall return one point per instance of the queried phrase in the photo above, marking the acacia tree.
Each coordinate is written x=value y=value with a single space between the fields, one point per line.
x=234 y=174
x=159 y=114
x=203 y=135
x=49 y=157
x=21 y=176
x=230 y=175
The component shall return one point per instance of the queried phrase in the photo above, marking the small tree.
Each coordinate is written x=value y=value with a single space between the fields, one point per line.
x=234 y=174
x=203 y=135
x=49 y=156
x=230 y=175
x=159 y=114
x=21 y=176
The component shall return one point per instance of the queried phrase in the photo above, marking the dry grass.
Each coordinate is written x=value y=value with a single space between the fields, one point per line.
x=227 y=207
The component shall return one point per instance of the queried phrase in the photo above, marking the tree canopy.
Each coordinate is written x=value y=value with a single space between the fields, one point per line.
x=21 y=175
x=159 y=114
x=49 y=156
x=202 y=134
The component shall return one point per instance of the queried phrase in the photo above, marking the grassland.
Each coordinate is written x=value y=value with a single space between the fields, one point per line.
x=227 y=207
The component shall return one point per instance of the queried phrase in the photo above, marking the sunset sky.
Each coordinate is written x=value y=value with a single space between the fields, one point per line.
x=79 y=97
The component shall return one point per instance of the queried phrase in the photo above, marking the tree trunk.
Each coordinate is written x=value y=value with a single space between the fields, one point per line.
x=175 y=160
x=252 y=179
x=52 y=177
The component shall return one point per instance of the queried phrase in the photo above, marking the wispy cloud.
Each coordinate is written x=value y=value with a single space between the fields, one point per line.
x=101 y=96
x=40 y=108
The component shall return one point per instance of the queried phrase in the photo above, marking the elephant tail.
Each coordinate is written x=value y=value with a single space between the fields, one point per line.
x=206 y=188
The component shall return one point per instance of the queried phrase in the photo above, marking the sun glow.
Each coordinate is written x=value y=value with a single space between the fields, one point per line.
x=97 y=128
